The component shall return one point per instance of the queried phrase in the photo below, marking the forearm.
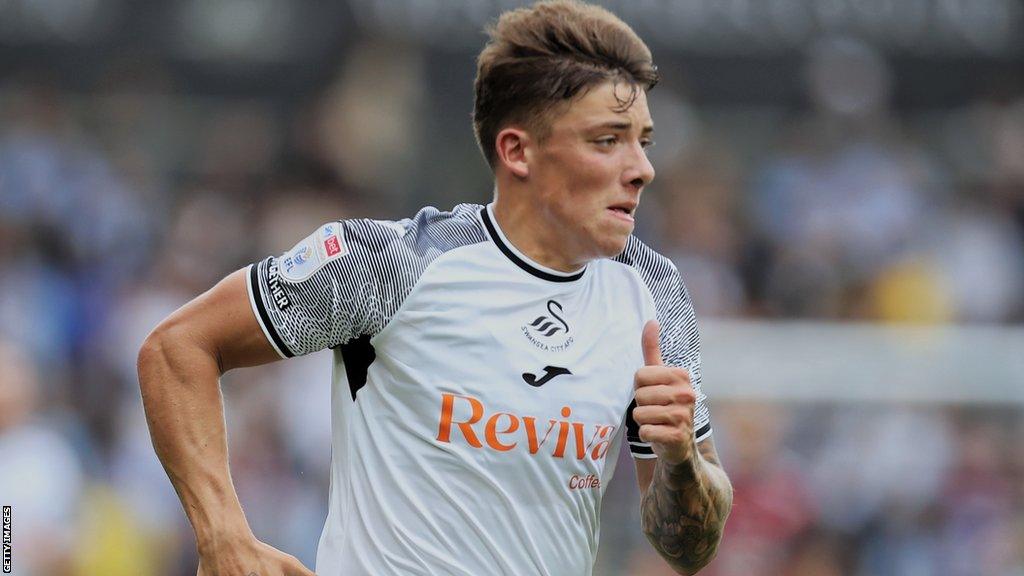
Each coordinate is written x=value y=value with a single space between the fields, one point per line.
x=181 y=394
x=683 y=512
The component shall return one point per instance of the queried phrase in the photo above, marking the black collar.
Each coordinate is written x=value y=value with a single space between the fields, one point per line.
x=510 y=253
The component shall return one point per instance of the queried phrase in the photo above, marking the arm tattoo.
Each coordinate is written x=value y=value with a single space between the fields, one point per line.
x=684 y=509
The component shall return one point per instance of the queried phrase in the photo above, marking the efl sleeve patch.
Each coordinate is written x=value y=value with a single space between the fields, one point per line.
x=313 y=252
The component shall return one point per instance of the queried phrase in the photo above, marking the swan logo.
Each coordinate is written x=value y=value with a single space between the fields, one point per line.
x=549 y=326
x=549 y=332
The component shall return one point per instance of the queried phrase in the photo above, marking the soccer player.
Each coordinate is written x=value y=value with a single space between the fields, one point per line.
x=489 y=361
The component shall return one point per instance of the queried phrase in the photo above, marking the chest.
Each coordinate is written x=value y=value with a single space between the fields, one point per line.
x=489 y=348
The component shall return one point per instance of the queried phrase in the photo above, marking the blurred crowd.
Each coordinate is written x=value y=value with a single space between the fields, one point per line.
x=120 y=202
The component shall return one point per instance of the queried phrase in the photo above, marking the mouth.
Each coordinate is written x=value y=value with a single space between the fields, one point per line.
x=623 y=211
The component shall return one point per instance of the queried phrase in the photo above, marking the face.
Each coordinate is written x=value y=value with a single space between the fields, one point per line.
x=589 y=173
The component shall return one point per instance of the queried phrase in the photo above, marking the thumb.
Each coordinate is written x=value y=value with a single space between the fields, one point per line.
x=649 y=342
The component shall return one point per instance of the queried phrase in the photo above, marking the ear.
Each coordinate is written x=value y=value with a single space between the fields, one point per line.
x=511 y=146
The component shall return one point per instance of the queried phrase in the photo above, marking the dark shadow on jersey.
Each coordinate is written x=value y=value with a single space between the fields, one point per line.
x=358 y=354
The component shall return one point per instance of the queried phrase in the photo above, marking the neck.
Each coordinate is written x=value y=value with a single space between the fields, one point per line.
x=530 y=230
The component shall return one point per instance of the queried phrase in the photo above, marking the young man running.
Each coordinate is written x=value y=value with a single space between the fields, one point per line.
x=489 y=361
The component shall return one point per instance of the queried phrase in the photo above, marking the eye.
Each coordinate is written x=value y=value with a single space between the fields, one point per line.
x=646 y=143
x=607 y=141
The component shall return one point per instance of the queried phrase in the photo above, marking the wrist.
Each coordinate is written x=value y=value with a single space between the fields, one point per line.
x=680 y=455
x=209 y=542
x=683 y=472
x=224 y=528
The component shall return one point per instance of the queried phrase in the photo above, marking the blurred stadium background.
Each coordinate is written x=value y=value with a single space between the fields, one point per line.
x=841 y=183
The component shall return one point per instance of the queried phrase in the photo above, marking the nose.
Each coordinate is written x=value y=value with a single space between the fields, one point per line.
x=640 y=172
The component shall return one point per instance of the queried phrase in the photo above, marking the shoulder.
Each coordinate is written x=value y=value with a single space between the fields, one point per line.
x=445 y=229
x=429 y=230
x=680 y=340
x=381 y=246
x=656 y=271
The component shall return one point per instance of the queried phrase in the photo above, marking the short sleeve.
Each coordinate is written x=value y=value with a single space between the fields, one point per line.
x=680 y=347
x=344 y=280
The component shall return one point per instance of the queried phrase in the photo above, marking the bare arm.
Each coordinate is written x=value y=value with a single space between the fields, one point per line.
x=180 y=365
x=685 y=495
x=684 y=507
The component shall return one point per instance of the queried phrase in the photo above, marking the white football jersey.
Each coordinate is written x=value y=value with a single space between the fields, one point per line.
x=479 y=399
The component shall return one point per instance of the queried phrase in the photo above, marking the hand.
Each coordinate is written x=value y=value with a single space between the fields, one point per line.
x=664 y=403
x=249 y=558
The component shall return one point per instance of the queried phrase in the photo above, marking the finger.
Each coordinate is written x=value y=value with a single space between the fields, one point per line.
x=660 y=375
x=650 y=344
x=665 y=435
x=664 y=415
x=653 y=396
x=664 y=395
